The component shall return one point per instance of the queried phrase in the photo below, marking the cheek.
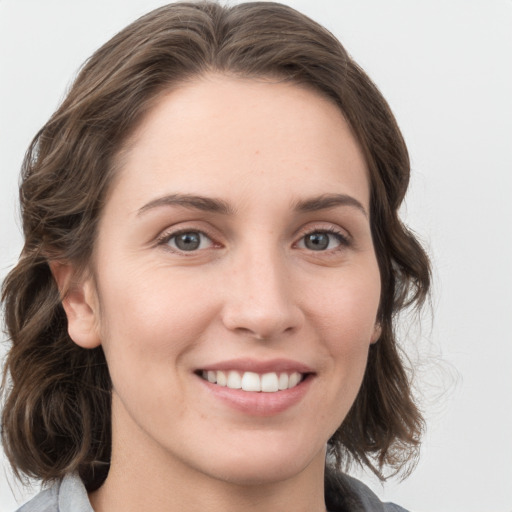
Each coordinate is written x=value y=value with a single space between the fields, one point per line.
x=345 y=315
x=346 y=306
x=149 y=319
x=150 y=324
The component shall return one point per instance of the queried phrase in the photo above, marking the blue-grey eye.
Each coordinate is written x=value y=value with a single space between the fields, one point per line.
x=189 y=241
x=320 y=241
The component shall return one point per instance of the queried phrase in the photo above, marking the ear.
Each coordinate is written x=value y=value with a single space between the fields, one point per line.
x=79 y=300
x=377 y=331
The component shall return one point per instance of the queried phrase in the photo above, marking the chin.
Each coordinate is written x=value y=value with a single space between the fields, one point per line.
x=264 y=467
x=258 y=475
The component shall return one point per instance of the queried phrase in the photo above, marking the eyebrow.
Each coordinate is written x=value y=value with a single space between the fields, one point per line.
x=209 y=204
x=326 y=201
x=194 y=202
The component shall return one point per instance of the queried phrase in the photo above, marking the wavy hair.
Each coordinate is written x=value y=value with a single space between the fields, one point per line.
x=57 y=412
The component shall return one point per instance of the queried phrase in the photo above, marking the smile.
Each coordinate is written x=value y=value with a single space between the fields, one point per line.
x=270 y=382
x=257 y=387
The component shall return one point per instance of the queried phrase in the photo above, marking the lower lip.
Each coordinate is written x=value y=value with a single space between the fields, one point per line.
x=260 y=403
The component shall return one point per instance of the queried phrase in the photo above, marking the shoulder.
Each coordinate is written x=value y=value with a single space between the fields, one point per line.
x=346 y=493
x=66 y=495
x=45 y=501
x=370 y=499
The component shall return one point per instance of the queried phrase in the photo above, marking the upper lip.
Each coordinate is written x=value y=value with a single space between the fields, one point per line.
x=259 y=366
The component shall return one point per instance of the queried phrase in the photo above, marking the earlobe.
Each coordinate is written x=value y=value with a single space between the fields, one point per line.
x=377 y=331
x=79 y=301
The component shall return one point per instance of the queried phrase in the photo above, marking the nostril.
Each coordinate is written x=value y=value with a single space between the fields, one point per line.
x=262 y=324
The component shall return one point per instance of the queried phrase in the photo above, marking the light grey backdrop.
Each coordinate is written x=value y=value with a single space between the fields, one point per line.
x=445 y=68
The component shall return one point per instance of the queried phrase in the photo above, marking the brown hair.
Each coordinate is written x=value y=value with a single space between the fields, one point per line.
x=56 y=416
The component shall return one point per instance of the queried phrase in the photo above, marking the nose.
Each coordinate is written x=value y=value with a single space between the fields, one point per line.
x=260 y=299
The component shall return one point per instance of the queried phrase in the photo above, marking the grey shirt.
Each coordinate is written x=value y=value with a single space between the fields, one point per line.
x=70 y=495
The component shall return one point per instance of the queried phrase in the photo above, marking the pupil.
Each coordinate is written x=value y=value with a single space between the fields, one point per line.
x=188 y=241
x=317 y=241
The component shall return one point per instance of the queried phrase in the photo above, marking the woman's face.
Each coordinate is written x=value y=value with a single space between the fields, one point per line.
x=235 y=250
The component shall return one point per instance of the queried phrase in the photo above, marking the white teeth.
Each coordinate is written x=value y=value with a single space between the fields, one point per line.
x=251 y=381
x=294 y=379
x=234 y=380
x=269 y=383
x=221 y=378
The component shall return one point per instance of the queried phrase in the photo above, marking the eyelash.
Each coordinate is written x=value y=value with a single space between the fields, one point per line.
x=343 y=239
x=167 y=237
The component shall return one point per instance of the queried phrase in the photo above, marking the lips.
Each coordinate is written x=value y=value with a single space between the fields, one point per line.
x=255 y=387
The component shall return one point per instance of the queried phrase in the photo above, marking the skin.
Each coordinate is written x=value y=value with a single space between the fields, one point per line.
x=253 y=289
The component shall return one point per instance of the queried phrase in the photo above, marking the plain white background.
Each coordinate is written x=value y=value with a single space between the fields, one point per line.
x=445 y=68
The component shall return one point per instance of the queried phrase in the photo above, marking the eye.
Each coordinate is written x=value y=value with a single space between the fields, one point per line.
x=322 y=240
x=187 y=241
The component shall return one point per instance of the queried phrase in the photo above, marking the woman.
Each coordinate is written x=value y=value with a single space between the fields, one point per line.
x=203 y=310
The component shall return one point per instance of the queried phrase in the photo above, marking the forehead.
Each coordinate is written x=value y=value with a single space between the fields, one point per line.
x=217 y=134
